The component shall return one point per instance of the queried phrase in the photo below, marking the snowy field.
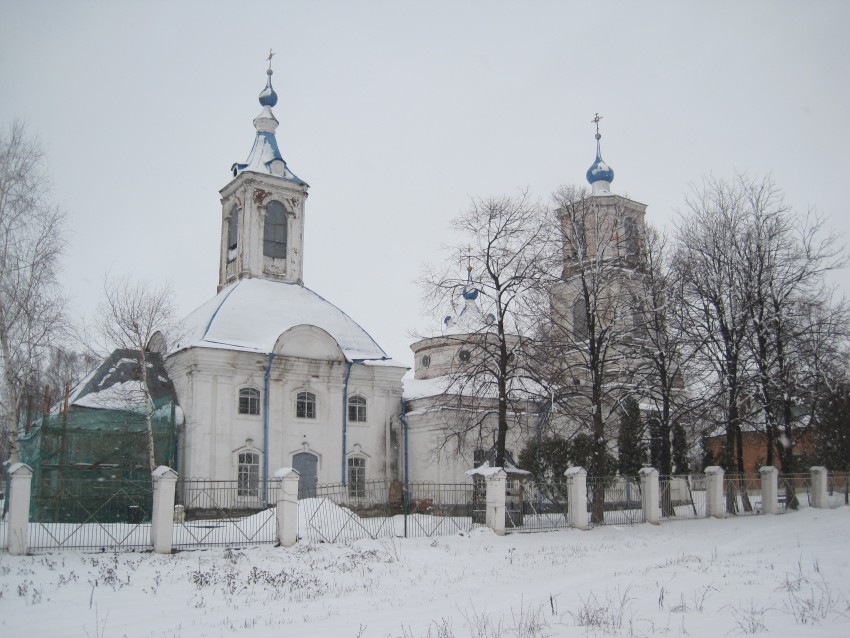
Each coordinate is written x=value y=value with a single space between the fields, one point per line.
x=783 y=575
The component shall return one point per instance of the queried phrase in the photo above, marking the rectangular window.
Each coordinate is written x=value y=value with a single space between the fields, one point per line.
x=357 y=477
x=305 y=405
x=249 y=401
x=357 y=410
x=248 y=474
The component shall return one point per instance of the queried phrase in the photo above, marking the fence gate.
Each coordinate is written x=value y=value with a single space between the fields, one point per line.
x=338 y=512
x=90 y=511
x=228 y=513
x=682 y=497
x=543 y=506
x=614 y=501
x=439 y=509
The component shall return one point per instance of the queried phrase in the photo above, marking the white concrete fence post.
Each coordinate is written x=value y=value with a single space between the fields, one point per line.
x=20 y=487
x=286 y=508
x=497 y=485
x=819 y=487
x=769 y=489
x=577 y=497
x=164 y=481
x=714 y=492
x=649 y=495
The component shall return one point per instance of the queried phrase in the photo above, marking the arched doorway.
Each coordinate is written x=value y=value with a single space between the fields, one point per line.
x=306 y=465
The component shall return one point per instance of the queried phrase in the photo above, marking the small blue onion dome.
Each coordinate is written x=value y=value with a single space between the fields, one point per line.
x=599 y=170
x=470 y=294
x=267 y=96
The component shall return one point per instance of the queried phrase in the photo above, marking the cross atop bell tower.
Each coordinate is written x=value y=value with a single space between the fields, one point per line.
x=262 y=221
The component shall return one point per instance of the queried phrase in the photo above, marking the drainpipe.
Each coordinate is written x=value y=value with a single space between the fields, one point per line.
x=345 y=416
x=406 y=490
x=403 y=419
x=266 y=430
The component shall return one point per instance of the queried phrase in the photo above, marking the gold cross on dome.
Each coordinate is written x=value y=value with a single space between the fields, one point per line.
x=271 y=55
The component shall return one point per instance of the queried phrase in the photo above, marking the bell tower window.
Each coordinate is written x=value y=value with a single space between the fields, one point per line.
x=232 y=233
x=274 y=231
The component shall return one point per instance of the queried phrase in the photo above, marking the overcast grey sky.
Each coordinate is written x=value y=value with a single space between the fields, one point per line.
x=396 y=113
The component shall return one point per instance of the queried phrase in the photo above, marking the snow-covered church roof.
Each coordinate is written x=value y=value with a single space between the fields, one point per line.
x=250 y=315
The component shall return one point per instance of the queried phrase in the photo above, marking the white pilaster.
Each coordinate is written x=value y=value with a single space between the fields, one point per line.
x=162 y=518
x=819 y=487
x=20 y=486
x=649 y=492
x=496 y=488
x=577 y=497
x=769 y=489
x=286 y=508
x=714 y=492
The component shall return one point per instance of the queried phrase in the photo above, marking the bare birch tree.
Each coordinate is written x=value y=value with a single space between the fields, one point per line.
x=507 y=244
x=139 y=318
x=31 y=304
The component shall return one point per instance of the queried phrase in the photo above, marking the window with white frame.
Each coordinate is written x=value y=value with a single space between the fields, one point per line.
x=356 y=477
x=274 y=230
x=357 y=409
x=305 y=405
x=249 y=401
x=248 y=474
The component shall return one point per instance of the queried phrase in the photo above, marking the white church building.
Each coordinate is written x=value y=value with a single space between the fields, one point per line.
x=270 y=374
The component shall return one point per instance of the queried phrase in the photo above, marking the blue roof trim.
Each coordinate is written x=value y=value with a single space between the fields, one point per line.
x=209 y=324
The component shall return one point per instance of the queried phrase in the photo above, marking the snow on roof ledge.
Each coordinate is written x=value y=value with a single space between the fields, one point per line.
x=486 y=470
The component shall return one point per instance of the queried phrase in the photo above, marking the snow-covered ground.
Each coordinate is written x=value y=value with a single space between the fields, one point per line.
x=785 y=575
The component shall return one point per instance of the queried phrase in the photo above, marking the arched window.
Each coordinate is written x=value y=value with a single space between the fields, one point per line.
x=357 y=409
x=356 y=476
x=274 y=230
x=305 y=405
x=630 y=235
x=232 y=233
x=580 y=318
x=248 y=474
x=249 y=401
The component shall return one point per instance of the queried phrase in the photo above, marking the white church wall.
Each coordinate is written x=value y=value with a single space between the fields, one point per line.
x=209 y=382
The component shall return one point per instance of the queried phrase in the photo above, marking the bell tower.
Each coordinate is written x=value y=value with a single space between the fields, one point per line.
x=262 y=216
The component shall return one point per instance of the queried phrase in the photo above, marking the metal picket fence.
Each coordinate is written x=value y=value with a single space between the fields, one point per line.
x=340 y=512
x=742 y=494
x=223 y=513
x=110 y=513
x=384 y=509
x=682 y=497
x=795 y=491
x=838 y=489
x=616 y=498
x=440 y=509
x=538 y=505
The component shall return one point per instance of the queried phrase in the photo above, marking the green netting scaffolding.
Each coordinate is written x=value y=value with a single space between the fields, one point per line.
x=93 y=464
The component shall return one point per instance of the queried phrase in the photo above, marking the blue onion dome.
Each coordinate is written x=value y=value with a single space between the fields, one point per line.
x=267 y=96
x=469 y=291
x=599 y=170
